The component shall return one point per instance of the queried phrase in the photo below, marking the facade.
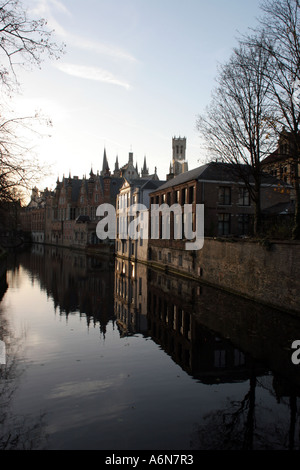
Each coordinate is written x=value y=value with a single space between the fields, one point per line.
x=282 y=163
x=133 y=192
x=33 y=219
x=228 y=209
x=67 y=215
x=129 y=171
x=71 y=218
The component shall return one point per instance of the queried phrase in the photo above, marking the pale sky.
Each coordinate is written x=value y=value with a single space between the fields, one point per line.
x=135 y=73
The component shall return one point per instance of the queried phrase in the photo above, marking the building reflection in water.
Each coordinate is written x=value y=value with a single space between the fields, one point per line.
x=77 y=283
x=173 y=324
x=207 y=331
x=164 y=307
x=216 y=338
x=130 y=297
x=213 y=336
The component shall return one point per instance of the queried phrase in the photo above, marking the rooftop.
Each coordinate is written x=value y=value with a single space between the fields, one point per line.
x=219 y=171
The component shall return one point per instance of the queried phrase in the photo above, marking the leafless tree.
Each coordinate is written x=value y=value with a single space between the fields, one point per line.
x=19 y=170
x=280 y=27
x=238 y=125
x=23 y=42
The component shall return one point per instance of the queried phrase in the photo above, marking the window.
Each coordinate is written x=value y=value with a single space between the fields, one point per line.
x=169 y=257
x=224 y=224
x=191 y=194
x=239 y=358
x=244 y=198
x=225 y=195
x=183 y=196
x=72 y=213
x=243 y=223
x=180 y=260
x=220 y=358
x=165 y=227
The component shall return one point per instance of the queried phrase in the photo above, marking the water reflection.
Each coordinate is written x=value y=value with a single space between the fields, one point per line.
x=220 y=342
x=217 y=338
x=130 y=297
x=15 y=432
x=77 y=283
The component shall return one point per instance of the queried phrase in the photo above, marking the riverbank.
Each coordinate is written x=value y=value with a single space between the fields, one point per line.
x=267 y=271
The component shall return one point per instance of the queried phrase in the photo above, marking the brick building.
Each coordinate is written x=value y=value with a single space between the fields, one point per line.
x=67 y=215
x=283 y=162
x=71 y=211
x=33 y=217
x=228 y=209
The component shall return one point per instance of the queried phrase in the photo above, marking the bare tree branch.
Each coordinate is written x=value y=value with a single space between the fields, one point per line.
x=281 y=29
x=237 y=125
x=23 y=41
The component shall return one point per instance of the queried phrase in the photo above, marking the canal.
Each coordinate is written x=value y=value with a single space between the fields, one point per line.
x=107 y=354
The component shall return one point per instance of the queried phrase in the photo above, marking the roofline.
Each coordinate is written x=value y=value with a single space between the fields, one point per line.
x=263 y=185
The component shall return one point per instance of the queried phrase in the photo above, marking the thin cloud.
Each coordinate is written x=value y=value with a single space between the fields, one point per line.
x=60 y=6
x=91 y=73
x=99 y=48
x=43 y=8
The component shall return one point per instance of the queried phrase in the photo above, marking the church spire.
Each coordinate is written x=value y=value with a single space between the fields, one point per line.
x=105 y=167
x=117 y=169
x=145 y=170
x=117 y=164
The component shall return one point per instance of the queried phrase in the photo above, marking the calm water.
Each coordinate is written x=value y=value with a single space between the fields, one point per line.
x=107 y=355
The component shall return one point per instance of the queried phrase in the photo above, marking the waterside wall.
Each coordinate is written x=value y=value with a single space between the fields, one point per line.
x=265 y=271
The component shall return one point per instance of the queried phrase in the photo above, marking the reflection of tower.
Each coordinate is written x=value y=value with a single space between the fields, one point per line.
x=179 y=162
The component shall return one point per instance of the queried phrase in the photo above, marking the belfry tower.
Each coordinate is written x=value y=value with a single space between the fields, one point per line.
x=179 y=162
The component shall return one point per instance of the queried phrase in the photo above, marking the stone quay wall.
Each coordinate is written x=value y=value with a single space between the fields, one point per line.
x=265 y=271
